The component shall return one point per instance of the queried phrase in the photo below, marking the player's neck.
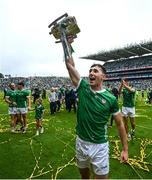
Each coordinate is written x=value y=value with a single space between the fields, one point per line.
x=97 y=87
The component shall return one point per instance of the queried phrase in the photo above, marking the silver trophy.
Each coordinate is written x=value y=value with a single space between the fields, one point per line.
x=65 y=30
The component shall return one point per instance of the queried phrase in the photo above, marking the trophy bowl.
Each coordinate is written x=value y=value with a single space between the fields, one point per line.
x=68 y=23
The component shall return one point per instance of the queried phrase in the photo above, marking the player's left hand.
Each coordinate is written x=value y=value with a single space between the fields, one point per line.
x=124 y=156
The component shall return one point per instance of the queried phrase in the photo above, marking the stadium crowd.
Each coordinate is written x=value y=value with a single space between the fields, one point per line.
x=125 y=64
x=49 y=82
x=139 y=84
x=32 y=82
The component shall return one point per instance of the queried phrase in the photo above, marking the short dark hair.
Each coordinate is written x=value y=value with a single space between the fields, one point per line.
x=21 y=83
x=100 y=66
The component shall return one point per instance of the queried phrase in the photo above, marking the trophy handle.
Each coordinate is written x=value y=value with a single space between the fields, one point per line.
x=55 y=21
x=66 y=46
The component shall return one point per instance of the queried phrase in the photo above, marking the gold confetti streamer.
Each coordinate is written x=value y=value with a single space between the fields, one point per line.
x=59 y=169
x=140 y=162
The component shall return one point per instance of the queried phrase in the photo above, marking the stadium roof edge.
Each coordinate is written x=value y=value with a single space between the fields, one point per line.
x=129 y=51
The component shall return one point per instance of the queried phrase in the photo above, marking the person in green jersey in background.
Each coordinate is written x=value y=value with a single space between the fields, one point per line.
x=39 y=111
x=10 y=98
x=23 y=104
x=128 y=107
x=94 y=109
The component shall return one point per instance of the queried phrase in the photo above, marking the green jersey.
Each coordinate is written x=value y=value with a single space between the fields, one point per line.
x=62 y=90
x=109 y=89
x=22 y=98
x=94 y=110
x=11 y=94
x=39 y=109
x=128 y=98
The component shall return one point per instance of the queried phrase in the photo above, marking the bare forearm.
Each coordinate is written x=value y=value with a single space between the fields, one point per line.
x=123 y=136
x=29 y=102
x=129 y=88
x=7 y=100
x=69 y=62
x=73 y=73
x=121 y=130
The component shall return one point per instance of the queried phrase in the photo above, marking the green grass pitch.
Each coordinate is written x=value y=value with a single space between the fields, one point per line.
x=52 y=154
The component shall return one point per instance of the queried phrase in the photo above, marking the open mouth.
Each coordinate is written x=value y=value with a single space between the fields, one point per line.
x=92 y=78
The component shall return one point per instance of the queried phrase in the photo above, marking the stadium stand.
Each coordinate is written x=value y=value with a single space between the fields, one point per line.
x=33 y=82
x=133 y=62
x=1 y=75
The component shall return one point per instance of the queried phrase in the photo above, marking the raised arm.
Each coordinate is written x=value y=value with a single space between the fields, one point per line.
x=69 y=62
x=128 y=87
x=73 y=73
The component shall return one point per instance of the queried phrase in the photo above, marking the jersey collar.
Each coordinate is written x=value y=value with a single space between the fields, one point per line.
x=100 y=91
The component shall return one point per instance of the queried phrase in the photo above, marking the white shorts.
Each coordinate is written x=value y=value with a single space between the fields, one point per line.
x=96 y=155
x=127 y=111
x=22 y=110
x=12 y=110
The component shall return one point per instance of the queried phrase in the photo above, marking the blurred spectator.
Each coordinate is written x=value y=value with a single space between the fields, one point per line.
x=67 y=99
x=58 y=99
x=52 y=100
x=73 y=100
x=5 y=92
x=43 y=94
x=36 y=94
x=115 y=92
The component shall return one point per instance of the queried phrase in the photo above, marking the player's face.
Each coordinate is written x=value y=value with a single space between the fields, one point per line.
x=96 y=76
x=20 y=87
x=12 y=86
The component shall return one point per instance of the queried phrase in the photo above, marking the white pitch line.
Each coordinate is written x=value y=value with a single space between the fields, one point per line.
x=140 y=115
x=144 y=127
x=143 y=116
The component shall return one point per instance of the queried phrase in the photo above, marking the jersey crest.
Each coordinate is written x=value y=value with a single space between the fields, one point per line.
x=103 y=101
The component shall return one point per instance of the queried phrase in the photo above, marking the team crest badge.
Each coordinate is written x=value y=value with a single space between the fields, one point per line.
x=103 y=101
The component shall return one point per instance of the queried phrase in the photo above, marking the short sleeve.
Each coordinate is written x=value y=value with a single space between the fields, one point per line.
x=115 y=107
x=82 y=84
x=27 y=93
x=8 y=93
